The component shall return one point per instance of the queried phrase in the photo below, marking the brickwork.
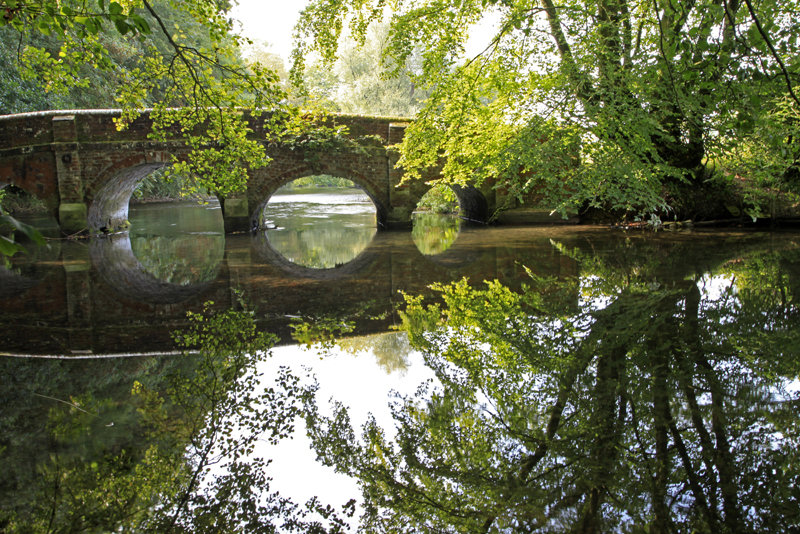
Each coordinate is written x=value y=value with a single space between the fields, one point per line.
x=79 y=158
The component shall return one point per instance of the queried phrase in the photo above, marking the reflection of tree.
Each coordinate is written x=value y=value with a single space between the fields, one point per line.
x=191 y=466
x=324 y=244
x=391 y=349
x=180 y=260
x=434 y=233
x=660 y=405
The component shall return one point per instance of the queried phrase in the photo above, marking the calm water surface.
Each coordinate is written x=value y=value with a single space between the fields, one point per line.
x=671 y=360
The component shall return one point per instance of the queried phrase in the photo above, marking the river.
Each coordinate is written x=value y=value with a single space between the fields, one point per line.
x=615 y=381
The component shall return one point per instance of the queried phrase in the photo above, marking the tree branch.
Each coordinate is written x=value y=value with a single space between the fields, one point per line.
x=772 y=51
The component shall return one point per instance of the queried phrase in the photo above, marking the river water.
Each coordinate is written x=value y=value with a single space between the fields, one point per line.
x=671 y=359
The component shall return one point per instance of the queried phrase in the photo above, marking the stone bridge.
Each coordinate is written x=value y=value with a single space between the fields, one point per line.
x=85 y=169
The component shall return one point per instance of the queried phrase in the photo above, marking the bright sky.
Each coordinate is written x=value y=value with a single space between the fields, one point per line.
x=271 y=21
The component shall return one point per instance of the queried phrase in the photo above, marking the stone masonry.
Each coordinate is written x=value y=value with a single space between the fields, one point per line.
x=85 y=169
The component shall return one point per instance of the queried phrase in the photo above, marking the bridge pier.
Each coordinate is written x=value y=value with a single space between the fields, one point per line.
x=235 y=214
x=72 y=211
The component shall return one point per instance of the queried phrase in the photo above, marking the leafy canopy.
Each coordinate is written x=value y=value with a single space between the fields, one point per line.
x=650 y=94
x=179 y=58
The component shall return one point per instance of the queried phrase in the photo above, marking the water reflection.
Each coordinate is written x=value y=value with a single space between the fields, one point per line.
x=391 y=350
x=160 y=445
x=320 y=229
x=184 y=245
x=612 y=382
x=632 y=396
x=434 y=233
x=659 y=403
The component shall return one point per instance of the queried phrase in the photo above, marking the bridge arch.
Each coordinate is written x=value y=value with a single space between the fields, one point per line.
x=473 y=203
x=266 y=183
x=123 y=272
x=108 y=209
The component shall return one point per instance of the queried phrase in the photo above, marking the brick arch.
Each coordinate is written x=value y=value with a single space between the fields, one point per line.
x=473 y=204
x=109 y=194
x=121 y=270
x=264 y=184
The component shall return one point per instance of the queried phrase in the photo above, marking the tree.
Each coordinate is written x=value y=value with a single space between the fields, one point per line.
x=650 y=404
x=357 y=83
x=654 y=93
x=186 y=67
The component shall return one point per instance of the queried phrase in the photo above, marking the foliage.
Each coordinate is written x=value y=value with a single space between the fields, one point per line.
x=657 y=404
x=320 y=180
x=178 y=58
x=322 y=331
x=9 y=226
x=326 y=244
x=439 y=199
x=355 y=82
x=258 y=52
x=640 y=93
x=160 y=185
x=191 y=260
x=433 y=233
x=195 y=467
x=390 y=349
x=762 y=163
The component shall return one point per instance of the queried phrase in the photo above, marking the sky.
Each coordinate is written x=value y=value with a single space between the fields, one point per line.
x=271 y=21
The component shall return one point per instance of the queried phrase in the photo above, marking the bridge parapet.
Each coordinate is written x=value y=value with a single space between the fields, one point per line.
x=99 y=125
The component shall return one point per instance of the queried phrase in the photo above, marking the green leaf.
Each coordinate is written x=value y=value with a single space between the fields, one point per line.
x=31 y=232
x=120 y=24
x=139 y=24
x=8 y=247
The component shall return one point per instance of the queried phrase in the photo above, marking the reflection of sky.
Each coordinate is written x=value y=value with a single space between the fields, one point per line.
x=358 y=382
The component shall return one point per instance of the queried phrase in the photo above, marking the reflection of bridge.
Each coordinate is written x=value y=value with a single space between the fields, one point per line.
x=99 y=298
x=86 y=170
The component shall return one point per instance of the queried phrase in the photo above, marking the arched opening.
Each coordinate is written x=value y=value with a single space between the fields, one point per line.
x=157 y=274
x=320 y=221
x=175 y=241
x=440 y=212
x=163 y=205
x=108 y=211
x=177 y=237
